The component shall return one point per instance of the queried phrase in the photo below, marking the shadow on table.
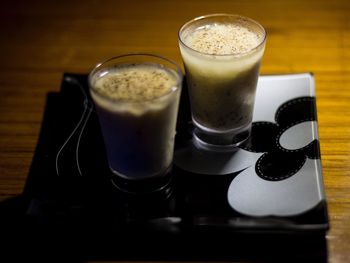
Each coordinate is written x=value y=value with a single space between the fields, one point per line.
x=24 y=238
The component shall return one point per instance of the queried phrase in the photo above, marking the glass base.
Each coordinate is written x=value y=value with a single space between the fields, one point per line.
x=220 y=142
x=155 y=184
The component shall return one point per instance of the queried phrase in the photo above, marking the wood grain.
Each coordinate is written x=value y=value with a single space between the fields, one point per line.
x=39 y=40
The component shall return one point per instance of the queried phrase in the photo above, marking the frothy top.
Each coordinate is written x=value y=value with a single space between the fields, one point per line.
x=222 y=39
x=136 y=82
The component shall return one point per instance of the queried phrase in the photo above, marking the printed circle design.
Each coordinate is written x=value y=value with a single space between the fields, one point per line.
x=278 y=163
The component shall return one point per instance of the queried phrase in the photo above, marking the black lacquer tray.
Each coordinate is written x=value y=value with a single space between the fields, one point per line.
x=264 y=201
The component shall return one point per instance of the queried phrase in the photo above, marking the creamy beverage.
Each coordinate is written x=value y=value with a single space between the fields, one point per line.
x=222 y=55
x=137 y=105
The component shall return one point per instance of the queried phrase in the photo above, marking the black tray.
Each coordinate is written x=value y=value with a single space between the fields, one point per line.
x=217 y=206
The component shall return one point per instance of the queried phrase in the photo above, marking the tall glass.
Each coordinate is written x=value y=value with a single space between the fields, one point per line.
x=136 y=98
x=222 y=55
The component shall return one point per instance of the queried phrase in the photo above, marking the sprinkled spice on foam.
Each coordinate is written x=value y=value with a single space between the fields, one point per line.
x=222 y=39
x=135 y=83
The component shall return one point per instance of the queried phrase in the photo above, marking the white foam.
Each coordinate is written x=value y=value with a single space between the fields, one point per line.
x=133 y=87
x=221 y=49
x=135 y=82
x=222 y=39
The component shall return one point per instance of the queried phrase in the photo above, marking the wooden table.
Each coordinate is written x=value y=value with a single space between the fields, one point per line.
x=40 y=40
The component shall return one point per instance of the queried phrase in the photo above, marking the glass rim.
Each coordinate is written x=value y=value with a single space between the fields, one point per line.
x=172 y=90
x=203 y=17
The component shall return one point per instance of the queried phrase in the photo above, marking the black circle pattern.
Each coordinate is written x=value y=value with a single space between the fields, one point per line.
x=278 y=163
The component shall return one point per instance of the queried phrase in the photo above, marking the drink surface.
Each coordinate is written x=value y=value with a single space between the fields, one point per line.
x=135 y=82
x=222 y=39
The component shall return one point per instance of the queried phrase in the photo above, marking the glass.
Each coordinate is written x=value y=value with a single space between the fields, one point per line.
x=222 y=55
x=136 y=97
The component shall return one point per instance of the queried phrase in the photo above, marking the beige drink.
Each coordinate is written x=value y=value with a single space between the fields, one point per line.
x=137 y=104
x=222 y=55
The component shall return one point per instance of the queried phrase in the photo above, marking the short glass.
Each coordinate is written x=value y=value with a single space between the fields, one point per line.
x=222 y=77
x=136 y=97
